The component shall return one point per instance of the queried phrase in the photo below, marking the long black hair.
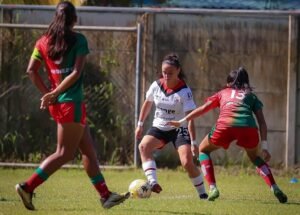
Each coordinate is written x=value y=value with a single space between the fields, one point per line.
x=173 y=60
x=239 y=79
x=60 y=34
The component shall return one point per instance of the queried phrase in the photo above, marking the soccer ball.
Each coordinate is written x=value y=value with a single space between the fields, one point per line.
x=140 y=188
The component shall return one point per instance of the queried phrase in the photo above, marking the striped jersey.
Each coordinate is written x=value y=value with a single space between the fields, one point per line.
x=236 y=107
x=58 y=70
x=170 y=104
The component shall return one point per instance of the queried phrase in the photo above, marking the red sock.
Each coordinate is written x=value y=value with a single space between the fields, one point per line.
x=102 y=190
x=100 y=185
x=207 y=168
x=264 y=171
x=36 y=179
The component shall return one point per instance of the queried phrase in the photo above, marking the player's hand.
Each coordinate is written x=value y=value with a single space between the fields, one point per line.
x=266 y=155
x=174 y=124
x=48 y=99
x=139 y=132
x=195 y=151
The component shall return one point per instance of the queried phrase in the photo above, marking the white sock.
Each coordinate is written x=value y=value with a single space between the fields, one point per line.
x=198 y=183
x=149 y=168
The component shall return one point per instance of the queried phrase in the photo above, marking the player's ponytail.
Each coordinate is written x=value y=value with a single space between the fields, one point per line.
x=59 y=33
x=239 y=79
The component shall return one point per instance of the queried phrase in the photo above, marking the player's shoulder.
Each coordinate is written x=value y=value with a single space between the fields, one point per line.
x=42 y=40
x=154 y=86
x=252 y=95
x=225 y=90
x=80 y=37
x=185 y=91
x=155 y=83
x=221 y=92
x=41 y=43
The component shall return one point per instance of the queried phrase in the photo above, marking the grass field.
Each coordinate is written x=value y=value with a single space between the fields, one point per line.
x=70 y=192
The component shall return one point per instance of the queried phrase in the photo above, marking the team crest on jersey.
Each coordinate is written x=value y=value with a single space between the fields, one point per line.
x=176 y=99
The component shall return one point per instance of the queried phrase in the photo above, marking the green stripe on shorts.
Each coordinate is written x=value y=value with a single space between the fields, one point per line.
x=211 y=131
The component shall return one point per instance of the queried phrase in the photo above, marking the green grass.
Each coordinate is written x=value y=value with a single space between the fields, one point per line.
x=70 y=192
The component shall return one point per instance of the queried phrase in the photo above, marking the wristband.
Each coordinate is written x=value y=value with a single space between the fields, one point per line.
x=264 y=145
x=194 y=142
x=182 y=121
x=140 y=124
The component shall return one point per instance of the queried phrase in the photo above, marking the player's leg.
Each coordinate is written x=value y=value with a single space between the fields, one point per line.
x=68 y=137
x=265 y=172
x=91 y=166
x=248 y=138
x=186 y=159
x=205 y=148
x=147 y=146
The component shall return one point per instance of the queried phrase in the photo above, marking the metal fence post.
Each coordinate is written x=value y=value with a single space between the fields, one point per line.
x=137 y=88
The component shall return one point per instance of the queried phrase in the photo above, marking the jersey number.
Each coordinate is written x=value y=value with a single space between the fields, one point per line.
x=183 y=132
x=239 y=95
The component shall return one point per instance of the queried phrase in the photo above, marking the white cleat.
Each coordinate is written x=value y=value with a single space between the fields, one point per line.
x=25 y=196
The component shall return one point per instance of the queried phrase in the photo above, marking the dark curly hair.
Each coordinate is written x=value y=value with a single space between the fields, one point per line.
x=239 y=79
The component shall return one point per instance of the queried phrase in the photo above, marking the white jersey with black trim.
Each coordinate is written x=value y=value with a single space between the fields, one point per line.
x=169 y=105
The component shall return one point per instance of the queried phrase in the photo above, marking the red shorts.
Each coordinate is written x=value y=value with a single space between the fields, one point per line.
x=68 y=112
x=246 y=137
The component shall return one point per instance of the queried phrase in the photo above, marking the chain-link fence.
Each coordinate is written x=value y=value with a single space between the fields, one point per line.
x=28 y=134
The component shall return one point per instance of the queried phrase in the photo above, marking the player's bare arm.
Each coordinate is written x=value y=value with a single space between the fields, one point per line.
x=194 y=114
x=263 y=134
x=145 y=110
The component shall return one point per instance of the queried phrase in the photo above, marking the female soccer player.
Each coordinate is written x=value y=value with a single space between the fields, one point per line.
x=237 y=102
x=173 y=99
x=64 y=52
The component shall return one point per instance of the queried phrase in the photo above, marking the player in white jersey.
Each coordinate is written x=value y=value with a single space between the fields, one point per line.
x=173 y=100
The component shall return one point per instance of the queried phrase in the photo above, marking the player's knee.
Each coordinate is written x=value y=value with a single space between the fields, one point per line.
x=64 y=156
x=187 y=164
x=143 y=148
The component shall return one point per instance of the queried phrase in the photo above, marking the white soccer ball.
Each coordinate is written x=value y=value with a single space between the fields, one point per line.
x=140 y=188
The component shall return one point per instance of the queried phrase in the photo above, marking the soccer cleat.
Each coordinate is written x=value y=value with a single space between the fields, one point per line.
x=156 y=188
x=203 y=196
x=282 y=198
x=25 y=196
x=213 y=194
x=114 y=199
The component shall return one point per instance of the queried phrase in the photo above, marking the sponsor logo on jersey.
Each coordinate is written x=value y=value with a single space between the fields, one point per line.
x=162 y=98
x=61 y=71
x=168 y=111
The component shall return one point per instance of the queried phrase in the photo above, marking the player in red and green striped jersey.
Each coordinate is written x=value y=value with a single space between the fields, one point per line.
x=236 y=122
x=63 y=52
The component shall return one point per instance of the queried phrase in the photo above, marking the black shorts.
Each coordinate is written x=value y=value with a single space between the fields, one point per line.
x=178 y=137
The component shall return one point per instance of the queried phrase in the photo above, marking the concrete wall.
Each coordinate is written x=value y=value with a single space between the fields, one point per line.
x=210 y=44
